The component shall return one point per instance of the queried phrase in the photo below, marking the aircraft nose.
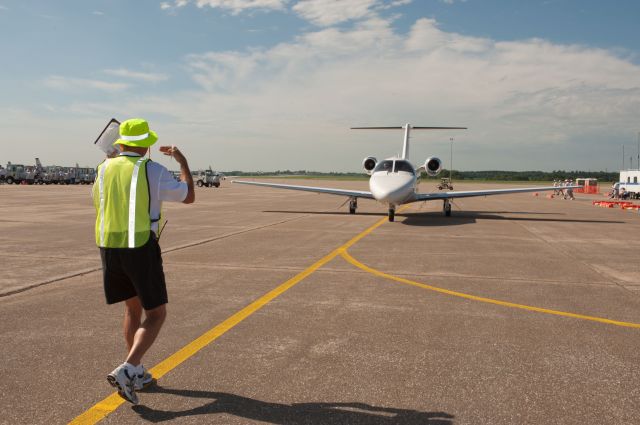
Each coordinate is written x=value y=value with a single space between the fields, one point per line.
x=393 y=189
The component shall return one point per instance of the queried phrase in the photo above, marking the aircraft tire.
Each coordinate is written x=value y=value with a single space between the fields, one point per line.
x=392 y=215
x=447 y=209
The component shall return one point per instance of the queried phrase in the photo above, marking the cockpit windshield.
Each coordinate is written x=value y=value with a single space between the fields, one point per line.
x=403 y=166
x=388 y=166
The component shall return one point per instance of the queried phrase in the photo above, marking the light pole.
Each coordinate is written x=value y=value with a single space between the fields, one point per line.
x=451 y=158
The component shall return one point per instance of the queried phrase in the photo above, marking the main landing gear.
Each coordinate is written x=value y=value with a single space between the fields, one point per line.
x=446 y=207
x=353 y=205
x=392 y=213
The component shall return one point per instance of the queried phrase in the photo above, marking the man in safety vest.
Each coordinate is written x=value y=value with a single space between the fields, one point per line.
x=128 y=194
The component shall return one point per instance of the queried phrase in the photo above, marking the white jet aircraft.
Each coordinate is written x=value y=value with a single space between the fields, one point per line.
x=394 y=181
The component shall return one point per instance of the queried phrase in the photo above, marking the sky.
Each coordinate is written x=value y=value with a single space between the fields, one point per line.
x=262 y=85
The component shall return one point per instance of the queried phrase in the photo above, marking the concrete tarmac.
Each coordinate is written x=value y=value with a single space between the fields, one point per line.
x=541 y=323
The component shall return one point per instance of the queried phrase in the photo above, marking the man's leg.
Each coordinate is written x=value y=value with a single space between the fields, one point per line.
x=132 y=319
x=146 y=334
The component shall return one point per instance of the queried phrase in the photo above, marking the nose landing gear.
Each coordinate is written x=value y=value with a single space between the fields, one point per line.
x=392 y=213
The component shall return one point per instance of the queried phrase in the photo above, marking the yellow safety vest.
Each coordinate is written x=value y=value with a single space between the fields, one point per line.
x=121 y=199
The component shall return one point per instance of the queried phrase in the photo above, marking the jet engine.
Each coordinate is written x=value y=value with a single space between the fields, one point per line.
x=433 y=166
x=369 y=164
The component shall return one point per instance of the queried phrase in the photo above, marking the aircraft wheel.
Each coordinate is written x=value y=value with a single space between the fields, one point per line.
x=353 y=205
x=446 y=208
x=392 y=214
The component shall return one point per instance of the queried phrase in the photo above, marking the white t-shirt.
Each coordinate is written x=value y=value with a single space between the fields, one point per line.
x=162 y=187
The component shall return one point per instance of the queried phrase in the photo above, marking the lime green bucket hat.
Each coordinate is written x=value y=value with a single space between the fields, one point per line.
x=135 y=132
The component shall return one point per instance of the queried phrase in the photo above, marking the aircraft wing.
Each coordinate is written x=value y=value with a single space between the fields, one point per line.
x=470 y=193
x=327 y=190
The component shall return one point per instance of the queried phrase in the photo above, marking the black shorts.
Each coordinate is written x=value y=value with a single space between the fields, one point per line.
x=128 y=272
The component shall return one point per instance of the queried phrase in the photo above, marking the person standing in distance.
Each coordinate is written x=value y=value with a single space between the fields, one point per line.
x=128 y=195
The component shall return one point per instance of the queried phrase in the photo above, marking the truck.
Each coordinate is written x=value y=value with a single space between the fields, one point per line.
x=208 y=178
x=54 y=174
x=85 y=175
x=629 y=182
x=15 y=173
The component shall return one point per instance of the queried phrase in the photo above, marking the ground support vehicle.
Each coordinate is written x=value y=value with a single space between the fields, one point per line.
x=15 y=173
x=445 y=183
x=85 y=175
x=629 y=182
x=207 y=178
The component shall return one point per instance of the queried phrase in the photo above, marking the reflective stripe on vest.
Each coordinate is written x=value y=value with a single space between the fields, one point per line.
x=101 y=187
x=132 y=204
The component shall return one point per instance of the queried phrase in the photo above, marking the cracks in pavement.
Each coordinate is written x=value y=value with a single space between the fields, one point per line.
x=177 y=248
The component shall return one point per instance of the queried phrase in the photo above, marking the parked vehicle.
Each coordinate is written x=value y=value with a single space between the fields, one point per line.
x=85 y=175
x=629 y=182
x=208 y=178
x=15 y=173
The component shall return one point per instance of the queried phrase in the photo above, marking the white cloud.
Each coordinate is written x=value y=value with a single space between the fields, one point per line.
x=233 y=6
x=97 y=13
x=396 y=3
x=65 y=83
x=135 y=75
x=514 y=96
x=330 y=12
x=529 y=104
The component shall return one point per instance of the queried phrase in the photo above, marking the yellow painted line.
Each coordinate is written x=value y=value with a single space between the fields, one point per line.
x=378 y=273
x=103 y=408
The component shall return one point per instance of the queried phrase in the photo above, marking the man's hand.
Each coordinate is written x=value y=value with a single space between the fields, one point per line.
x=175 y=153
x=185 y=173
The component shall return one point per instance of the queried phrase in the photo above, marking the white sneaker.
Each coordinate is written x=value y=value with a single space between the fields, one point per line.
x=143 y=381
x=123 y=380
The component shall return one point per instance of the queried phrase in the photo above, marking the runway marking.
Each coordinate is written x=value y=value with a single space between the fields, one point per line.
x=106 y=406
x=109 y=404
x=379 y=273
